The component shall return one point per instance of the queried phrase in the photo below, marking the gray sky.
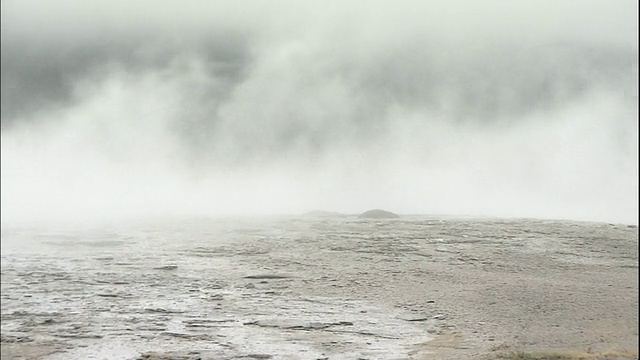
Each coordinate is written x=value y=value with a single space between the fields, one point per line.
x=48 y=45
x=463 y=107
x=589 y=20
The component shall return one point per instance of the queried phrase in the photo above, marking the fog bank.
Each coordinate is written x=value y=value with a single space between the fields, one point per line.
x=111 y=111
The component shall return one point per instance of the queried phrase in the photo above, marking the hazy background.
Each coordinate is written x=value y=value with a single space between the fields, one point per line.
x=119 y=109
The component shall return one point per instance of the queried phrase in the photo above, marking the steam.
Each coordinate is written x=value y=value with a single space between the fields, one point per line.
x=272 y=109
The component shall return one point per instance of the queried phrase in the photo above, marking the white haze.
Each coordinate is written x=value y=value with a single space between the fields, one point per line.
x=307 y=126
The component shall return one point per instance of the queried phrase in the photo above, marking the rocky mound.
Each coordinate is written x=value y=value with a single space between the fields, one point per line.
x=378 y=214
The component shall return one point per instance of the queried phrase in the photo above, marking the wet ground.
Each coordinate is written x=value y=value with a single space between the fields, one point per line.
x=318 y=288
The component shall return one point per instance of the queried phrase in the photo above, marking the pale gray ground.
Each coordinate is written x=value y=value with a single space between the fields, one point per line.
x=319 y=288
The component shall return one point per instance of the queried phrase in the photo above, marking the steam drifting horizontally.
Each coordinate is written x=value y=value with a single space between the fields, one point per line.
x=518 y=109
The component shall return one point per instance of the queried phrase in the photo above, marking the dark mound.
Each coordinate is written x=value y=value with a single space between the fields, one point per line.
x=378 y=214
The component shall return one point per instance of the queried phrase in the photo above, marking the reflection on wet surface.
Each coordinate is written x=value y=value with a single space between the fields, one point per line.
x=263 y=289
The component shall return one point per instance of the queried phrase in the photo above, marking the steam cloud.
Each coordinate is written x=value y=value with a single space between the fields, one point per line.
x=499 y=108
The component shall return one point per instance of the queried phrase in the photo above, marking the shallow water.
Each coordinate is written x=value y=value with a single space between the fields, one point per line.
x=280 y=288
x=179 y=288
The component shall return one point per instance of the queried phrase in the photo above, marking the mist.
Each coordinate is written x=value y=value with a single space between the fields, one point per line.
x=498 y=108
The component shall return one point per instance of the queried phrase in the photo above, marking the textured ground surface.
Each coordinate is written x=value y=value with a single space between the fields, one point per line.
x=319 y=288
